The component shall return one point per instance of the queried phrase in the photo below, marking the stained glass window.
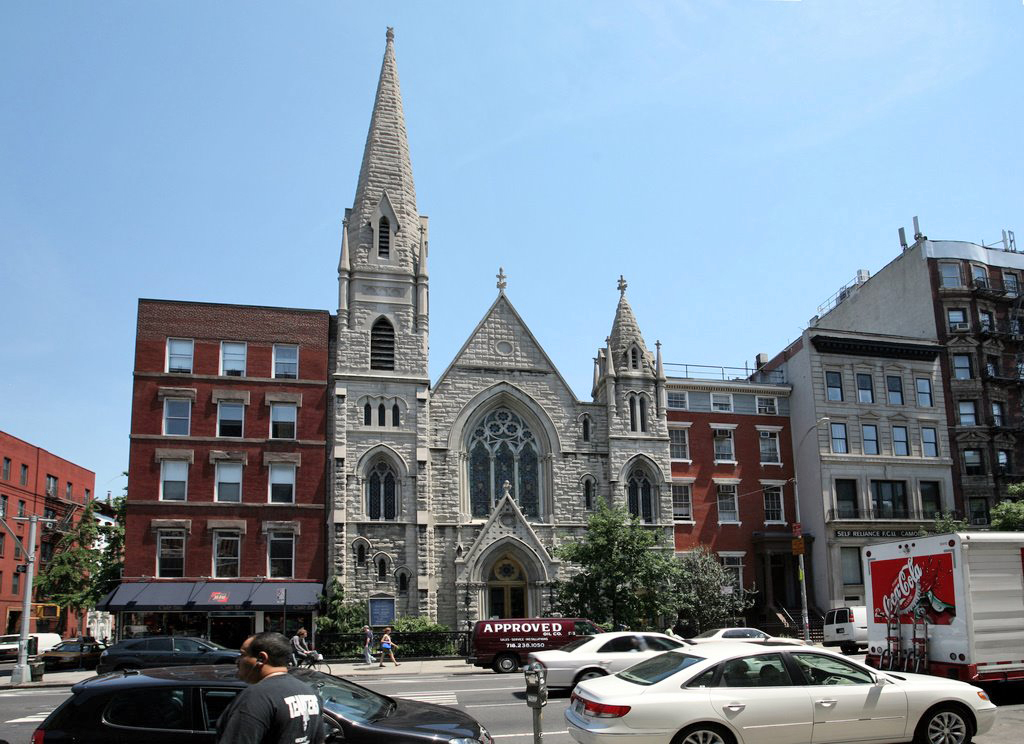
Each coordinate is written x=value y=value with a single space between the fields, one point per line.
x=381 y=491
x=641 y=495
x=503 y=449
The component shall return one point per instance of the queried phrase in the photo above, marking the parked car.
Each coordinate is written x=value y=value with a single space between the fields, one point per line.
x=80 y=654
x=596 y=656
x=739 y=693
x=37 y=643
x=505 y=644
x=163 y=651
x=846 y=627
x=740 y=634
x=182 y=704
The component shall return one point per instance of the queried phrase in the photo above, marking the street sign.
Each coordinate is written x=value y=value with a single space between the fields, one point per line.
x=798 y=529
x=282 y=594
x=798 y=546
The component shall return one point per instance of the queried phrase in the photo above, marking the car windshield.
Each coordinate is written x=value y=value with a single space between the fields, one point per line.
x=68 y=646
x=348 y=700
x=707 y=634
x=573 y=645
x=659 y=667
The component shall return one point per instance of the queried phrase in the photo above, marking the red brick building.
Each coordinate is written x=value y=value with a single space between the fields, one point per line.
x=732 y=479
x=227 y=471
x=34 y=481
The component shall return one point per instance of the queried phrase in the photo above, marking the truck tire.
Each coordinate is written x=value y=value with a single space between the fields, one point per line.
x=944 y=724
x=506 y=664
x=848 y=648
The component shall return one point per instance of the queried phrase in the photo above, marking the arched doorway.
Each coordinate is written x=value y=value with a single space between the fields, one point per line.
x=506 y=589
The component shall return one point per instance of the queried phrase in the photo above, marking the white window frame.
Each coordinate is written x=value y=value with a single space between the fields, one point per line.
x=946 y=278
x=180 y=354
x=280 y=535
x=187 y=419
x=228 y=536
x=279 y=348
x=716 y=430
x=725 y=490
x=723 y=404
x=685 y=432
x=220 y=418
x=732 y=560
x=865 y=439
x=167 y=535
x=769 y=433
x=767 y=405
x=829 y=388
x=905 y=441
x=686 y=492
x=961 y=407
x=917 y=389
x=870 y=389
x=164 y=465
x=777 y=486
x=685 y=400
x=277 y=407
x=845 y=438
x=963 y=367
x=226 y=467
x=224 y=353
x=279 y=468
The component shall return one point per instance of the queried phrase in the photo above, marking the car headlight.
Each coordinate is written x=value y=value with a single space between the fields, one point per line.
x=484 y=738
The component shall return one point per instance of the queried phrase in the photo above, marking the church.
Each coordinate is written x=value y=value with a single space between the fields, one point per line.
x=448 y=499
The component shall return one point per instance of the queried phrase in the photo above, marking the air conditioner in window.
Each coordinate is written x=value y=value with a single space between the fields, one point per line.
x=979 y=520
x=959 y=326
x=234 y=373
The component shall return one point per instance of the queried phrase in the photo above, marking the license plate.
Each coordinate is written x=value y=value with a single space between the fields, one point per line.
x=577 y=707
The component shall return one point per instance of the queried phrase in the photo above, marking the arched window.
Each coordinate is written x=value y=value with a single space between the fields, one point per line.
x=632 y=413
x=502 y=449
x=382 y=345
x=360 y=555
x=395 y=415
x=403 y=583
x=588 y=494
x=634 y=357
x=367 y=415
x=383 y=238
x=642 y=402
x=381 y=491
x=380 y=415
x=586 y=428
x=382 y=569
x=641 y=494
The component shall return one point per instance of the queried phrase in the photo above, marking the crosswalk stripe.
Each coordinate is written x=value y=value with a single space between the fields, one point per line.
x=439 y=698
x=36 y=718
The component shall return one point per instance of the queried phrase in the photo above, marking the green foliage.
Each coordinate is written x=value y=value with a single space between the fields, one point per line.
x=339 y=616
x=417 y=624
x=66 y=579
x=702 y=604
x=624 y=577
x=1008 y=515
x=111 y=559
x=944 y=524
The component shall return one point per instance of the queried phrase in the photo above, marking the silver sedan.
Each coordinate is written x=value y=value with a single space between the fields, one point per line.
x=596 y=656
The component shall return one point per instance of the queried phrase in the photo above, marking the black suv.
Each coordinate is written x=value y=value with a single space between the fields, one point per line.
x=182 y=704
x=163 y=651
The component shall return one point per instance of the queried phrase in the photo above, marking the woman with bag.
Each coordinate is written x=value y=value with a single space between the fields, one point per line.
x=387 y=646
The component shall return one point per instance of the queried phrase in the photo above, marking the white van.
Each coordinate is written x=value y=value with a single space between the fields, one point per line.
x=847 y=627
x=37 y=643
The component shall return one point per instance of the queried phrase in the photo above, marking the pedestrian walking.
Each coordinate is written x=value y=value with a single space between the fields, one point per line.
x=387 y=646
x=368 y=644
x=276 y=708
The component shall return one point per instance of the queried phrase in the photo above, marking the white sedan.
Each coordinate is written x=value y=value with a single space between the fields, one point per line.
x=733 y=693
x=739 y=634
x=596 y=656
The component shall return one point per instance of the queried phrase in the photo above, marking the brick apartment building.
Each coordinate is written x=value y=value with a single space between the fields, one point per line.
x=732 y=470
x=226 y=478
x=35 y=482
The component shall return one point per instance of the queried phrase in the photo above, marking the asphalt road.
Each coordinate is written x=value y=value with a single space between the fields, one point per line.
x=497 y=701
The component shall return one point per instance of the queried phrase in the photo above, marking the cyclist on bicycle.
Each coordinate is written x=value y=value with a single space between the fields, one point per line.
x=301 y=652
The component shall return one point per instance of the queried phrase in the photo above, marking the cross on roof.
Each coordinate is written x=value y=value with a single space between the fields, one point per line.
x=501 y=279
x=622 y=284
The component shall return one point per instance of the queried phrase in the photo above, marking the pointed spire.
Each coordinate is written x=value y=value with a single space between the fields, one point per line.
x=387 y=167
x=625 y=329
x=343 y=263
x=660 y=367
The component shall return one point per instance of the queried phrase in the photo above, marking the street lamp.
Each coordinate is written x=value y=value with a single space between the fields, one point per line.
x=21 y=672
x=804 y=618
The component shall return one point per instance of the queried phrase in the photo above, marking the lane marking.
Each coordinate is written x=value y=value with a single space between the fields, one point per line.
x=439 y=698
x=498 y=705
x=35 y=718
x=530 y=735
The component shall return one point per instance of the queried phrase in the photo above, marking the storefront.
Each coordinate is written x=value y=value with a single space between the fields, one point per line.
x=223 y=612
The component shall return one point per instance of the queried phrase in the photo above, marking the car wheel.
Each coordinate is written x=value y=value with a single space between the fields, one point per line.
x=506 y=664
x=848 y=648
x=704 y=733
x=945 y=724
x=589 y=674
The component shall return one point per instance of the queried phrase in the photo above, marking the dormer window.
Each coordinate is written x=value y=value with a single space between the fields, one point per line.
x=383 y=238
x=382 y=345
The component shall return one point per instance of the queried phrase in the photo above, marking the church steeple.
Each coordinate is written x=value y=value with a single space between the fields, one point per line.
x=626 y=344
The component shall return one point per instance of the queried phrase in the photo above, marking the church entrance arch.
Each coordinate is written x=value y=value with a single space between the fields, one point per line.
x=507 y=594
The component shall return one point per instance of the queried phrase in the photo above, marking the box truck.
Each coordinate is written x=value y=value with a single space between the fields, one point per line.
x=950 y=605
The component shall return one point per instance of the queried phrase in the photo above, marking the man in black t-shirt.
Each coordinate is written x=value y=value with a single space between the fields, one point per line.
x=276 y=708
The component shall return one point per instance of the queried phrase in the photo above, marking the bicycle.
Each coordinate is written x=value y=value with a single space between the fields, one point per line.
x=316 y=663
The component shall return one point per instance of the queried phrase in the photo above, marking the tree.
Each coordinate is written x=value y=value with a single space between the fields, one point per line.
x=1008 y=516
x=339 y=616
x=111 y=561
x=944 y=523
x=66 y=580
x=707 y=594
x=624 y=576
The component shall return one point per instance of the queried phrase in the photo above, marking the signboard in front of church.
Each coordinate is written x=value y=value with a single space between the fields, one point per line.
x=877 y=533
x=382 y=611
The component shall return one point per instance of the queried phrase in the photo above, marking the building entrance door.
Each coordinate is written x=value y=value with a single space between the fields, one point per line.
x=506 y=589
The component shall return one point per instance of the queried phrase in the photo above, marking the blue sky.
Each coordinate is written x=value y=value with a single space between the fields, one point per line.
x=736 y=161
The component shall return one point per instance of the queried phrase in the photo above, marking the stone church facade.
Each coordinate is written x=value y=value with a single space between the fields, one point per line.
x=450 y=498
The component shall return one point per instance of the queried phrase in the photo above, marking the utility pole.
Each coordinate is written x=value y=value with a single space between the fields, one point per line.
x=21 y=672
x=804 y=615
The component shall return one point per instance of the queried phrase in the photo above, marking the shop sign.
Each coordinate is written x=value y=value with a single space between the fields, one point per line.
x=219 y=597
x=877 y=533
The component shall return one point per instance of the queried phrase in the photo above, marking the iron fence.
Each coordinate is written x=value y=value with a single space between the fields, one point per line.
x=409 y=645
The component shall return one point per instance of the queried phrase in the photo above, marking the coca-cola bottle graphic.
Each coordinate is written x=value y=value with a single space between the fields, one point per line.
x=934 y=588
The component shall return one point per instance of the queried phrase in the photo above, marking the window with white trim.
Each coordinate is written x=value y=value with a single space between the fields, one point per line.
x=282 y=420
x=894 y=387
x=227 y=554
x=230 y=418
x=232 y=358
x=721 y=402
x=870 y=433
x=865 y=388
x=728 y=507
x=229 y=482
x=839 y=444
x=957 y=319
x=733 y=564
x=282 y=483
x=177 y=417
x=767 y=405
x=773 y=510
x=179 y=355
x=677 y=399
x=968 y=413
x=286 y=361
x=724 y=450
x=170 y=554
x=949 y=276
x=679 y=444
x=280 y=554
x=962 y=367
x=924 y=392
x=769 y=441
x=173 y=480
x=833 y=386
x=682 y=503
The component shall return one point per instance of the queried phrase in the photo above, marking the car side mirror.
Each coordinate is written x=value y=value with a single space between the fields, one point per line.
x=334 y=735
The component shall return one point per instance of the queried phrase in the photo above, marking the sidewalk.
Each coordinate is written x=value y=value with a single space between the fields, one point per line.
x=347 y=669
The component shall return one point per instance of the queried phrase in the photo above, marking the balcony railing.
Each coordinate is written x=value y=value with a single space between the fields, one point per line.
x=885 y=513
x=711 y=372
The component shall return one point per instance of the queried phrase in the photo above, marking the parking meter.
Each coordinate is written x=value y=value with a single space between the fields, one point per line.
x=536 y=686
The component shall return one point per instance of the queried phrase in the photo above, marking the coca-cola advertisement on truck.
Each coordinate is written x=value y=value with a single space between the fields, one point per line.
x=914 y=587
